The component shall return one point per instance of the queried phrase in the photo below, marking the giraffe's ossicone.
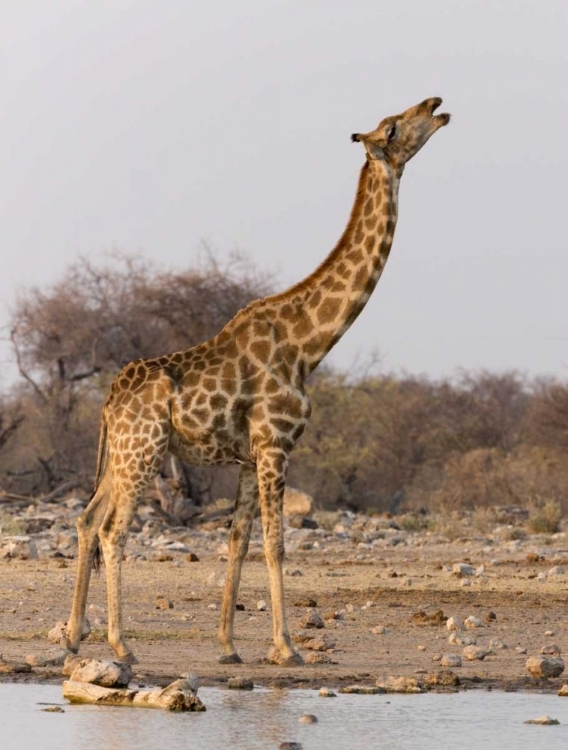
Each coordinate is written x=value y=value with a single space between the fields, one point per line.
x=240 y=397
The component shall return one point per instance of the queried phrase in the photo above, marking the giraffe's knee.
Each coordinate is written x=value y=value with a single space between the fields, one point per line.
x=274 y=551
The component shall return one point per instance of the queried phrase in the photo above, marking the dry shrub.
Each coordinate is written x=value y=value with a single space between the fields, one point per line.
x=545 y=519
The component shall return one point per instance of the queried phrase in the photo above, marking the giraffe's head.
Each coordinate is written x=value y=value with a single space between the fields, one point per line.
x=398 y=138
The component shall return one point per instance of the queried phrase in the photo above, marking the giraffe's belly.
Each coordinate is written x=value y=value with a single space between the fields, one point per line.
x=208 y=450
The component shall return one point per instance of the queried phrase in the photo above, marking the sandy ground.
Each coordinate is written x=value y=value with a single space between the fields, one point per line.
x=398 y=582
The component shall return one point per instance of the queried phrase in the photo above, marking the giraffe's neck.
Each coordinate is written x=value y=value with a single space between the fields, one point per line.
x=321 y=308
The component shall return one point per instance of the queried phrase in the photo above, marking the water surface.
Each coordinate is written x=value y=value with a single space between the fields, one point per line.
x=262 y=719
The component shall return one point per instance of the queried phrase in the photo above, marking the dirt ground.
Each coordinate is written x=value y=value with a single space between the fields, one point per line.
x=385 y=589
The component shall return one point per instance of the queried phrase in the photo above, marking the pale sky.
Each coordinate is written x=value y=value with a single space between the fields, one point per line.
x=151 y=125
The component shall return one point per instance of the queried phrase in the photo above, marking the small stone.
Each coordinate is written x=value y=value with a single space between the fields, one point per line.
x=71 y=661
x=462 y=570
x=261 y=605
x=53 y=710
x=325 y=692
x=551 y=649
x=544 y=666
x=318 y=657
x=563 y=692
x=421 y=647
x=521 y=649
x=490 y=617
x=308 y=719
x=312 y=620
x=379 y=630
x=307 y=602
x=455 y=623
x=319 y=644
x=545 y=720
x=473 y=622
x=57 y=633
x=557 y=570
x=451 y=660
x=541 y=577
x=549 y=633
x=212 y=606
x=163 y=603
x=475 y=653
x=52 y=658
x=437 y=657
x=294 y=572
x=290 y=746
x=465 y=639
x=496 y=644
x=240 y=683
x=466 y=582
x=191 y=557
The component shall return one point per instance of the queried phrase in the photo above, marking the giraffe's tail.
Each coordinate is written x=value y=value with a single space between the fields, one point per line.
x=102 y=455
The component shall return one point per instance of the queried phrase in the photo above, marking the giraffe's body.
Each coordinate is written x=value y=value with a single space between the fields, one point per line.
x=240 y=398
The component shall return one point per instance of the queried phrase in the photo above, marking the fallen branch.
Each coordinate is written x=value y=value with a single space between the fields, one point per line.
x=179 y=696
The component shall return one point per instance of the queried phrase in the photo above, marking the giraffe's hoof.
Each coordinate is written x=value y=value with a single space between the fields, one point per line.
x=230 y=659
x=276 y=657
x=128 y=658
x=66 y=644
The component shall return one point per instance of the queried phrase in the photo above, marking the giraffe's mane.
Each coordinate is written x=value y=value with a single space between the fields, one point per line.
x=328 y=262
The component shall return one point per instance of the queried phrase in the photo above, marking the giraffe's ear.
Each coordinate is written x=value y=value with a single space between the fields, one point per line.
x=356 y=137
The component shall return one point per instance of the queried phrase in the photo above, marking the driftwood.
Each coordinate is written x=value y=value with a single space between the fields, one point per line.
x=179 y=696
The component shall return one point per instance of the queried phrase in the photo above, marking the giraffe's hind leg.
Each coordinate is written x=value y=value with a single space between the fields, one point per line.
x=245 y=507
x=88 y=525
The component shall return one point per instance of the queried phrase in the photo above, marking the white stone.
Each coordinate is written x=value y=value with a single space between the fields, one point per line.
x=463 y=569
x=473 y=653
x=455 y=623
x=557 y=570
x=473 y=622
x=261 y=605
x=451 y=660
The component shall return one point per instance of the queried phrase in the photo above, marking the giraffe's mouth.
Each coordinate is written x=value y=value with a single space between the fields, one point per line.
x=442 y=118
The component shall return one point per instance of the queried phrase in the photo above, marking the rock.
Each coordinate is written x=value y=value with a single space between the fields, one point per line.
x=53 y=710
x=475 y=653
x=379 y=630
x=466 y=582
x=297 y=503
x=473 y=622
x=549 y=633
x=445 y=678
x=18 y=548
x=496 y=644
x=455 y=623
x=421 y=618
x=290 y=746
x=261 y=605
x=52 y=658
x=557 y=570
x=312 y=620
x=71 y=661
x=563 y=692
x=191 y=557
x=325 y=692
x=465 y=639
x=105 y=673
x=551 y=649
x=13 y=668
x=163 y=602
x=451 y=660
x=308 y=719
x=318 y=657
x=421 y=647
x=306 y=602
x=463 y=570
x=545 y=720
x=294 y=572
x=544 y=666
x=437 y=657
x=490 y=617
x=521 y=649
x=400 y=685
x=240 y=683
x=57 y=633
x=362 y=690
x=319 y=644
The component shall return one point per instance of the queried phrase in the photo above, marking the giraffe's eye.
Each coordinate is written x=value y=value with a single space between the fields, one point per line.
x=391 y=134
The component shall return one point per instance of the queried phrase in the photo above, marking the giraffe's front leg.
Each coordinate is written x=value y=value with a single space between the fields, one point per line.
x=245 y=507
x=271 y=467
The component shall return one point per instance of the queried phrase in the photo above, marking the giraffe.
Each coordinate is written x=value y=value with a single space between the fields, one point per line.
x=240 y=397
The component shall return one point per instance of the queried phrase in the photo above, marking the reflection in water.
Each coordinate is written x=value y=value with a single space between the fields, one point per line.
x=262 y=719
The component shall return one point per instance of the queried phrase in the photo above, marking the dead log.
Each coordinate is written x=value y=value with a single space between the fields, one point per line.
x=179 y=696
